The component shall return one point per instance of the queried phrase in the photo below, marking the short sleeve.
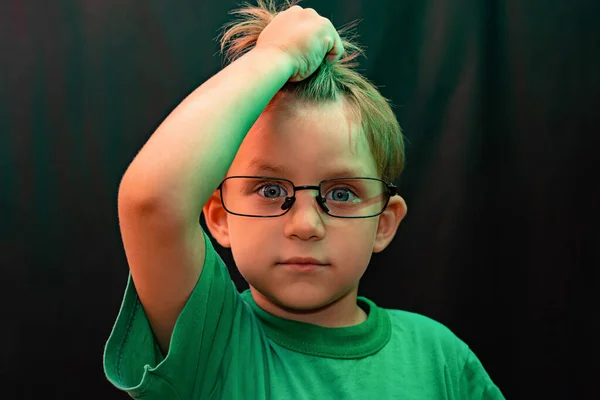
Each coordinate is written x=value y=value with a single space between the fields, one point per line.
x=133 y=361
x=475 y=383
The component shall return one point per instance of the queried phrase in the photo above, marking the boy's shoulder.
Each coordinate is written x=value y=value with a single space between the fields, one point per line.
x=421 y=328
x=415 y=319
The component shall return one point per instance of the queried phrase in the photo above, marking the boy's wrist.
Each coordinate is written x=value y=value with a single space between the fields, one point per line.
x=274 y=55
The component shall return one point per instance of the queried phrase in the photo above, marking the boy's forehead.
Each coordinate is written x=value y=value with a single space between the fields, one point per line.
x=332 y=170
x=308 y=141
x=305 y=158
x=329 y=127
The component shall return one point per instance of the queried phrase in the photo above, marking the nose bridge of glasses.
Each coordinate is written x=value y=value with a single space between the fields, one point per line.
x=307 y=187
x=317 y=188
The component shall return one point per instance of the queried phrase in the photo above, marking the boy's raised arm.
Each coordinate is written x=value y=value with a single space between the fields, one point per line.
x=164 y=189
x=184 y=161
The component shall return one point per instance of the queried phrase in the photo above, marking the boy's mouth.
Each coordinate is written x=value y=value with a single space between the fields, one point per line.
x=303 y=261
x=304 y=268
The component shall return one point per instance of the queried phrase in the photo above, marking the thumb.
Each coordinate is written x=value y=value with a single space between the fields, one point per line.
x=337 y=50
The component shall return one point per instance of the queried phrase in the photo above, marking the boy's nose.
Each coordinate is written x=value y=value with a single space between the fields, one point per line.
x=305 y=218
x=314 y=200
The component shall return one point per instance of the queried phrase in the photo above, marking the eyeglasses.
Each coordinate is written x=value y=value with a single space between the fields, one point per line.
x=267 y=197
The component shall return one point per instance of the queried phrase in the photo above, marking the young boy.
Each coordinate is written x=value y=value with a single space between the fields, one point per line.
x=289 y=154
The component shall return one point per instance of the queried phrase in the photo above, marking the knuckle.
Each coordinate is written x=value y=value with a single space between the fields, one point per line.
x=326 y=22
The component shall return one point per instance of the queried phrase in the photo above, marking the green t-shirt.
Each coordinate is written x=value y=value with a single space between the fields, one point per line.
x=226 y=347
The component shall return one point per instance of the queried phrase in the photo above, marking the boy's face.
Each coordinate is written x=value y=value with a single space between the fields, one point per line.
x=311 y=143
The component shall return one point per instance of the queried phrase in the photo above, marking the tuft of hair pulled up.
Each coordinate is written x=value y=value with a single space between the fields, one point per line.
x=329 y=83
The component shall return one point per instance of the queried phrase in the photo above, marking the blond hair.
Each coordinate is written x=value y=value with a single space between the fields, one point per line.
x=330 y=82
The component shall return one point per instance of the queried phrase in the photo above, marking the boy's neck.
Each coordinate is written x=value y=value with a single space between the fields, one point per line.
x=341 y=313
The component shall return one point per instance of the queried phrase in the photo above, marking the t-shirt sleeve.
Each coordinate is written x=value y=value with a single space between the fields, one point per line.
x=475 y=383
x=213 y=314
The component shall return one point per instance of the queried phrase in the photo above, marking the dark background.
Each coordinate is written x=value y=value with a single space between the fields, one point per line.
x=499 y=102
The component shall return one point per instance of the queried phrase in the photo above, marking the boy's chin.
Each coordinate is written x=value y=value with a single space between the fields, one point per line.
x=302 y=300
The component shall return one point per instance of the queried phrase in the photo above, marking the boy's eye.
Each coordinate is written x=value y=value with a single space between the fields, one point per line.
x=340 y=194
x=272 y=190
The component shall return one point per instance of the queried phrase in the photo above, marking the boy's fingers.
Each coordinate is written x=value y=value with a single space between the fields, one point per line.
x=337 y=50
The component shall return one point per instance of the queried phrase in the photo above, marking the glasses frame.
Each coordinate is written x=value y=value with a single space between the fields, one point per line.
x=392 y=191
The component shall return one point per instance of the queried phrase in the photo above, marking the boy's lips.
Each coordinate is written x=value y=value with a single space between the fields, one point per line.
x=303 y=260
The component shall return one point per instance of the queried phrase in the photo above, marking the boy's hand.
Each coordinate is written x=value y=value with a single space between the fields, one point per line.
x=305 y=37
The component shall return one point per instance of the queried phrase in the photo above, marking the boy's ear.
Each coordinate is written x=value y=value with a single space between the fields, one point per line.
x=389 y=221
x=216 y=219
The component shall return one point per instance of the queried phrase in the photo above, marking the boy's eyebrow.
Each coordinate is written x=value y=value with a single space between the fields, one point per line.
x=257 y=164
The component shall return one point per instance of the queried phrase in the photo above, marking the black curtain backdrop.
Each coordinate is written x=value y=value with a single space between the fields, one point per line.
x=498 y=99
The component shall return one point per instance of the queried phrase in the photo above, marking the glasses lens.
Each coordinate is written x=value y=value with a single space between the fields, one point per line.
x=261 y=197
x=354 y=197
x=256 y=196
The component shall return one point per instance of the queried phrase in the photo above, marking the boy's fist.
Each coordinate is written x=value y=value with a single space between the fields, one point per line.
x=305 y=36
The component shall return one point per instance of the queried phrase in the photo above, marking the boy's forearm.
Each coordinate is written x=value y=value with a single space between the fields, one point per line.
x=184 y=161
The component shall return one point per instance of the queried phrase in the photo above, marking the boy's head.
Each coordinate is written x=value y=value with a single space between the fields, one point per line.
x=333 y=124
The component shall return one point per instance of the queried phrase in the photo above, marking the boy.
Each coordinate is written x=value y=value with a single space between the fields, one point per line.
x=289 y=154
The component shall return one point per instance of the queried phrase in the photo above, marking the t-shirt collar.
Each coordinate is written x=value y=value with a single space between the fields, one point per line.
x=347 y=342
